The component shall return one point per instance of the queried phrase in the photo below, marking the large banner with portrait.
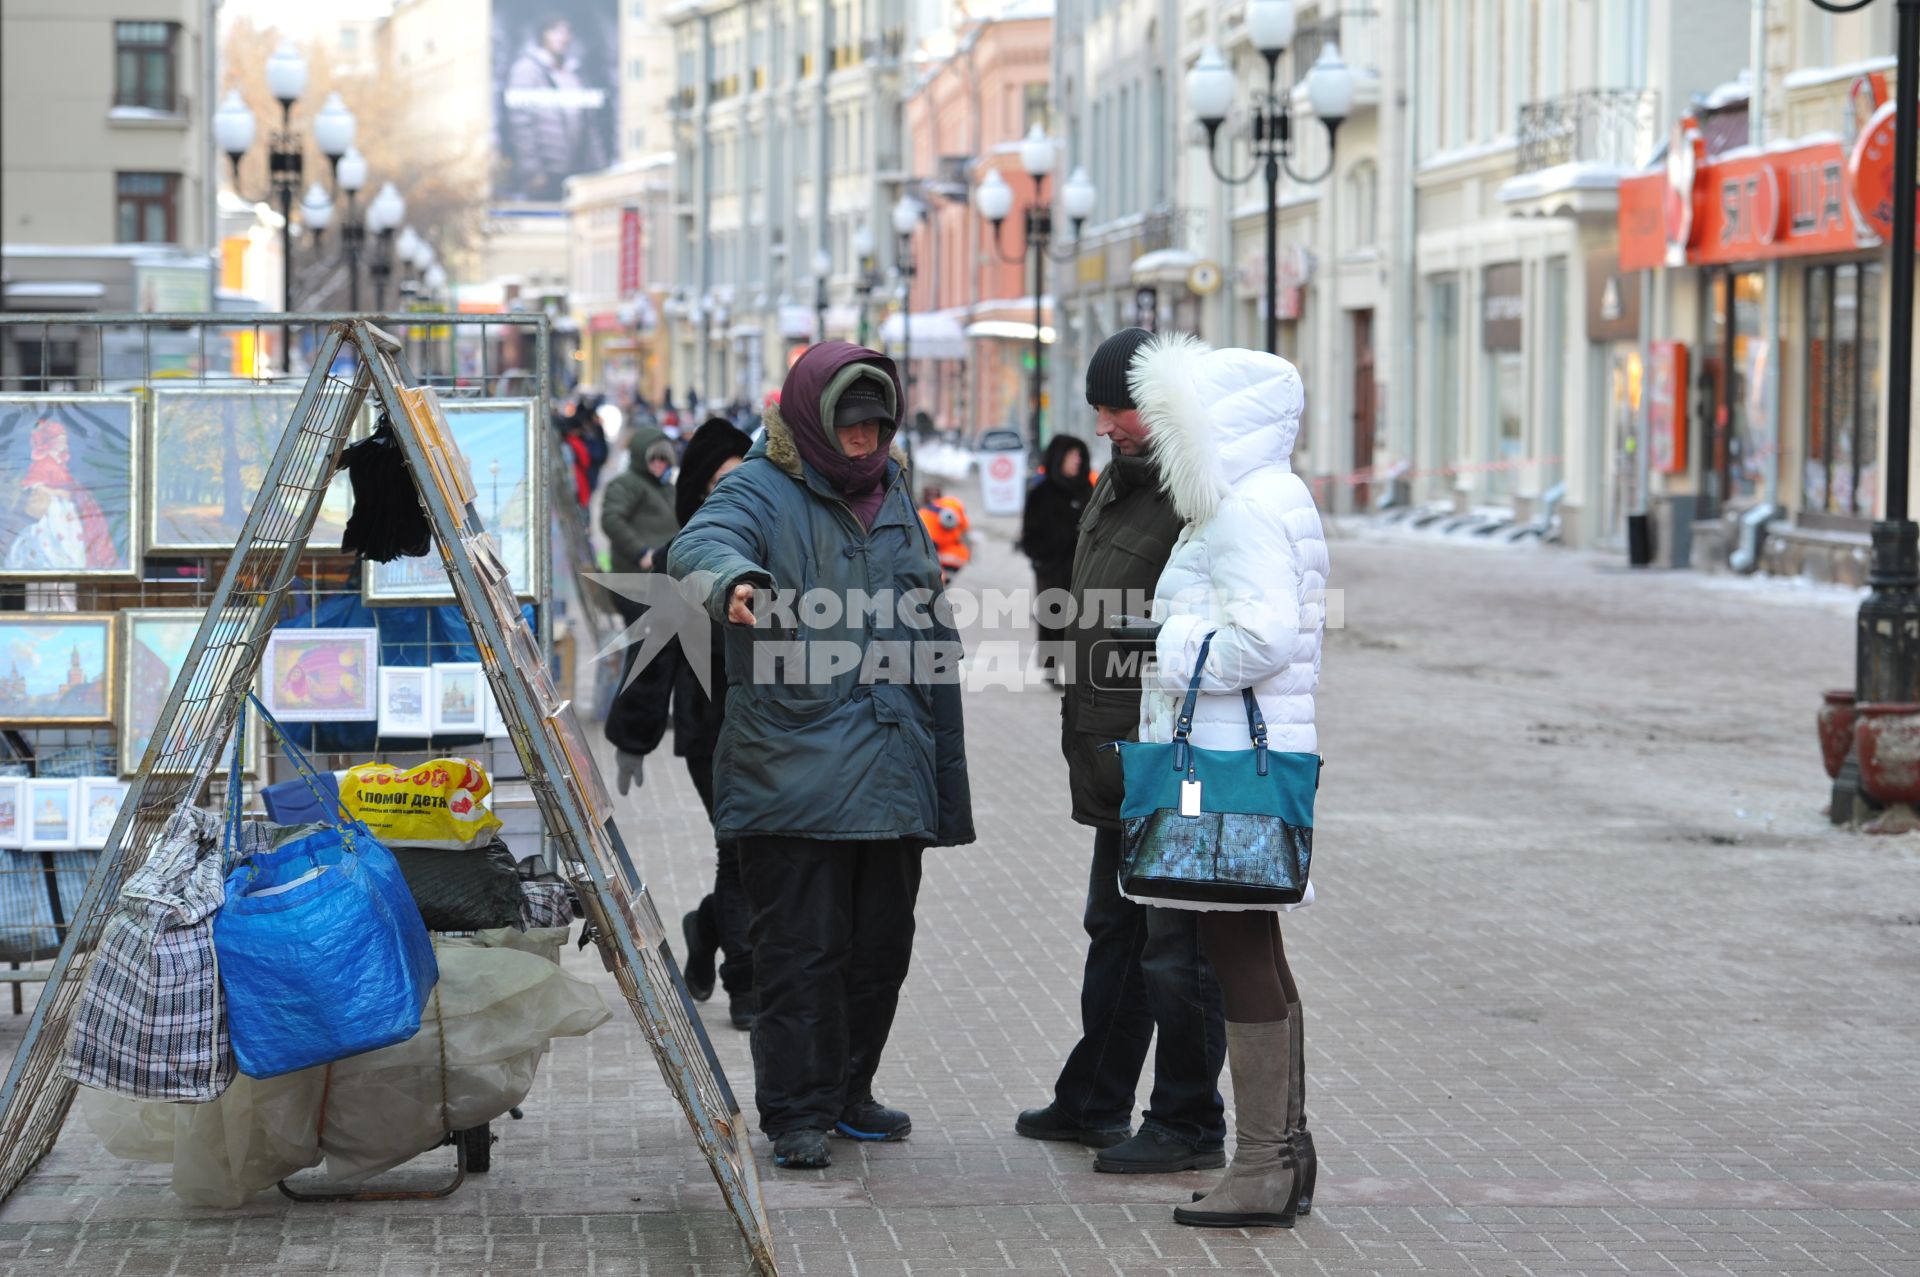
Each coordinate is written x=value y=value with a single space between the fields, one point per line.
x=556 y=94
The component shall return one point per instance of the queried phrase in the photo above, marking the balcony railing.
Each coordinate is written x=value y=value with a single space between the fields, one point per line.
x=1593 y=126
x=1353 y=27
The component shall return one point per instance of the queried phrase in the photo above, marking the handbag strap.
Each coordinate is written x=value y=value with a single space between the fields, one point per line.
x=301 y=763
x=1183 y=728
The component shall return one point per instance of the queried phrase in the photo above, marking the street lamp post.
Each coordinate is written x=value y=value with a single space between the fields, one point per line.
x=384 y=216
x=822 y=267
x=994 y=200
x=234 y=130
x=1887 y=634
x=907 y=212
x=1329 y=90
x=867 y=280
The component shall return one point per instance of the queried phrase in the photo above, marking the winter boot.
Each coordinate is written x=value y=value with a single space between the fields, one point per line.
x=1258 y=1189
x=1299 y=1138
x=702 y=944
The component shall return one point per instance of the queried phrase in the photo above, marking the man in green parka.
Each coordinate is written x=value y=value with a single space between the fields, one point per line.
x=842 y=757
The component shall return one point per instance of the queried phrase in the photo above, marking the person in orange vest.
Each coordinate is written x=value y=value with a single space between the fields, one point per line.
x=946 y=522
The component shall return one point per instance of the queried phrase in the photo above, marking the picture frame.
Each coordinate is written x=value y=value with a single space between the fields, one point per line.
x=38 y=688
x=498 y=441
x=153 y=650
x=405 y=694
x=74 y=507
x=496 y=721
x=458 y=704
x=13 y=813
x=100 y=801
x=219 y=441
x=321 y=675
x=52 y=821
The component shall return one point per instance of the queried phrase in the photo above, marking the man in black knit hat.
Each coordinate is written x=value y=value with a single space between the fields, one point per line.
x=1144 y=966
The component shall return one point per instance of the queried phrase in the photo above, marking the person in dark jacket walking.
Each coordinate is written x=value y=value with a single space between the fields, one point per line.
x=678 y=695
x=842 y=754
x=1050 y=528
x=637 y=512
x=1144 y=966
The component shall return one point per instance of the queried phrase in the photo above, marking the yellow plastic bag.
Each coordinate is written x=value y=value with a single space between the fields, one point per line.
x=436 y=804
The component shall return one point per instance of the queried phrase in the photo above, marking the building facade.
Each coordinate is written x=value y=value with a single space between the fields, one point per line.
x=1767 y=360
x=787 y=143
x=107 y=151
x=973 y=297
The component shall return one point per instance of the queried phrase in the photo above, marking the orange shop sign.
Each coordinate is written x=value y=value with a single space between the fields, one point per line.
x=1746 y=208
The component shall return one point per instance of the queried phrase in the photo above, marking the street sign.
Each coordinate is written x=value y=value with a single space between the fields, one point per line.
x=1003 y=488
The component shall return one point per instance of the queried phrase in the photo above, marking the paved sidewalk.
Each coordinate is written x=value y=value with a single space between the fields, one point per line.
x=1591 y=988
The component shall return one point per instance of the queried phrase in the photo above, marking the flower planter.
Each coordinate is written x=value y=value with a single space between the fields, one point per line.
x=1836 y=730
x=1886 y=741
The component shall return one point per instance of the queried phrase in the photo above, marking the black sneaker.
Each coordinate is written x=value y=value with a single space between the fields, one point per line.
x=699 y=972
x=742 y=1009
x=802 y=1151
x=1157 y=1153
x=1050 y=1123
x=874 y=1121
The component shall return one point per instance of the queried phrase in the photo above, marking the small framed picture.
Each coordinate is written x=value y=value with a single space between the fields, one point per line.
x=100 y=799
x=321 y=676
x=53 y=815
x=56 y=668
x=404 y=693
x=458 y=705
x=496 y=722
x=13 y=808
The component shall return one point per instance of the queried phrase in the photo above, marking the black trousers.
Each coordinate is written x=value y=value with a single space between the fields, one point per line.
x=1144 y=970
x=832 y=929
x=723 y=911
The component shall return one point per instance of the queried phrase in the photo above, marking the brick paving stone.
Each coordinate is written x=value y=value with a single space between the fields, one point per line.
x=1591 y=989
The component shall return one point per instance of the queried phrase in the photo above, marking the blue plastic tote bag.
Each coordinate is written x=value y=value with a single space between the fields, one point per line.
x=1229 y=827
x=322 y=951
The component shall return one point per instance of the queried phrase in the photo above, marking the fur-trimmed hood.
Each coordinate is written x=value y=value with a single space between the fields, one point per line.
x=1214 y=417
x=777 y=445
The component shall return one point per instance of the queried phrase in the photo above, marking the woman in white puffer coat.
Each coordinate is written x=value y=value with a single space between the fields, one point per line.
x=1250 y=569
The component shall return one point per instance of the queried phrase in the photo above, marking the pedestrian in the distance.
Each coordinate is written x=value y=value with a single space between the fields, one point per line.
x=1144 y=969
x=1049 y=530
x=834 y=770
x=1250 y=569
x=696 y=711
x=637 y=512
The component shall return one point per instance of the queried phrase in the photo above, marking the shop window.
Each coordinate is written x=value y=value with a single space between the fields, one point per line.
x=143 y=72
x=1839 y=475
x=1735 y=436
x=1443 y=329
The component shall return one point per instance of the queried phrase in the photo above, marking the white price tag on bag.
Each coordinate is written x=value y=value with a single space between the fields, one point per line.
x=1189 y=798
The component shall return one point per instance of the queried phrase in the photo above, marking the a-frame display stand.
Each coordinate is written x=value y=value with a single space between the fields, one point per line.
x=193 y=728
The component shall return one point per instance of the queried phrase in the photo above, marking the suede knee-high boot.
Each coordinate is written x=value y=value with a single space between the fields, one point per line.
x=1299 y=1138
x=1258 y=1188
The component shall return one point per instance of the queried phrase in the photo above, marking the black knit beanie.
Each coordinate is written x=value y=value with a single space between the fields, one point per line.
x=707 y=451
x=1107 y=373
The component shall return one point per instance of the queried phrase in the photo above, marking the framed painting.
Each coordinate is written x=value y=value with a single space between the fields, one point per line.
x=153 y=649
x=321 y=676
x=71 y=506
x=497 y=438
x=53 y=815
x=459 y=700
x=404 y=691
x=13 y=809
x=496 y=721
x=218 y=443
x=100 y=799
x=56 y=669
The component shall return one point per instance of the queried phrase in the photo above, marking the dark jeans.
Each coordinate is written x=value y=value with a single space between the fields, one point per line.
x=832 y=939
x=1144 y=969
x=723 y=912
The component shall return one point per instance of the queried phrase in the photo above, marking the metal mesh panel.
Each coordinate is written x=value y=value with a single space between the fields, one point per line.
x=190 y=738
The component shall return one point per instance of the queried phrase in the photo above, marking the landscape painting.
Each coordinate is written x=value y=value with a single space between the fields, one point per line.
x=55 y=668
x=217 y=444
x=69 y=508
x=497 y=438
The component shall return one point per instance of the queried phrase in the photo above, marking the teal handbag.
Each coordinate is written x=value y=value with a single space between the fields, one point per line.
x=1220 y=826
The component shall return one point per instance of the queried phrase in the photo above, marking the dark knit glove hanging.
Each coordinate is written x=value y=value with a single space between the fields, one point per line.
x=388 y=522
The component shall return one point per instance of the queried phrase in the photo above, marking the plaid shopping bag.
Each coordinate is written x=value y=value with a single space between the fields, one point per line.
x=150 y=1024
